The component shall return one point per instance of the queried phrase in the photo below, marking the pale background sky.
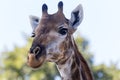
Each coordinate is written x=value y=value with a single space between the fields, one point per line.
x=101 y=24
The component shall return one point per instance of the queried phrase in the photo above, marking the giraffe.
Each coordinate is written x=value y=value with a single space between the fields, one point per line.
x=53 y=42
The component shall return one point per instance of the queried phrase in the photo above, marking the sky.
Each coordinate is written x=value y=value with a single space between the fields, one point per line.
x=100 y=26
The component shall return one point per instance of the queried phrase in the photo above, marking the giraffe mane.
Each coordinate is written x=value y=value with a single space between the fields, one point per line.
x=82 y=63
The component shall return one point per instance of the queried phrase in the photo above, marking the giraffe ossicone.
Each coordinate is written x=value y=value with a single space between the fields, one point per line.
x=54 y=42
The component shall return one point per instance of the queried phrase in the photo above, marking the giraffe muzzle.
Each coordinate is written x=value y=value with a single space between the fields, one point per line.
x=36 y=56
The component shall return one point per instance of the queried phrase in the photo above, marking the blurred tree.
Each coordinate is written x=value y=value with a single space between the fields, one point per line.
x=103 y=72
x=15 y=68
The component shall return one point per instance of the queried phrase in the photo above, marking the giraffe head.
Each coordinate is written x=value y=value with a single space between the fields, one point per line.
x=52 y=34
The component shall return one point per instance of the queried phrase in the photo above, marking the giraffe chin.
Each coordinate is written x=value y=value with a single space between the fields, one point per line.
x=33 y=62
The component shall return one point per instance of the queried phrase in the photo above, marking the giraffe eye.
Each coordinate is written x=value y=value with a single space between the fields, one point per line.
x=63 y=31
x=33 y=35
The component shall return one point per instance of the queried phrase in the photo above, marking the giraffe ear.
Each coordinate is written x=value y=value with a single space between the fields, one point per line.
x=76 y=17
x=34 y=21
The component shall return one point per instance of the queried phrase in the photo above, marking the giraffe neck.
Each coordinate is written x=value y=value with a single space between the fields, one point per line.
x=74 y=67
x=69 y=70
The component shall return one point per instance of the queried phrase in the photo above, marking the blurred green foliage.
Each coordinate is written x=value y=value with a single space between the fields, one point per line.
x=13 y=66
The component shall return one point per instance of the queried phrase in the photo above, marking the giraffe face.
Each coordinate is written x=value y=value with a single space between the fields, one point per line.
x=51 y=35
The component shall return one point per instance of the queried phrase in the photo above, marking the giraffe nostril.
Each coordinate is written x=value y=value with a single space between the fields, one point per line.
x=36 y=50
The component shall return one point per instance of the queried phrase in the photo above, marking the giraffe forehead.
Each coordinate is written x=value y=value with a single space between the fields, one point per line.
x=50 y=23
x=53 y=19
